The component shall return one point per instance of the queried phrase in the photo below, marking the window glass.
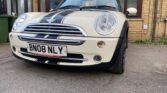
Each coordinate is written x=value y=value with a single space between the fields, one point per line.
x=14 y=7
x=122 y=4
x=29 y=5
x=21 y=6
x=42 y=5
x=81 y=3
x=132 y=4
x=107 y=2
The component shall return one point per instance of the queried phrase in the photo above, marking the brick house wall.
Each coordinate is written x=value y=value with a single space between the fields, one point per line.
x=162 y=16
x=141 y=28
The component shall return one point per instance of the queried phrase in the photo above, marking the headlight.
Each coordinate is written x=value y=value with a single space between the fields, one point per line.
x=18 y=23
x=106 y=24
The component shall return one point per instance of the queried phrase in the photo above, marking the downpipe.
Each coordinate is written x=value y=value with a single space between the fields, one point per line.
x=154 y=20
x=166 y=27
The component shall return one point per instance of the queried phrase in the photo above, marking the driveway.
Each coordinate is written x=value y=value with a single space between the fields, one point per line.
x=146 y=72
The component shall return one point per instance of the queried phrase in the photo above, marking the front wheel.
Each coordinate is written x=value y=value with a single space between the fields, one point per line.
x=118 y=67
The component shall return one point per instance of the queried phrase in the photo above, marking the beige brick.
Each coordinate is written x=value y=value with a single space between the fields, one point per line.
x=136 y=27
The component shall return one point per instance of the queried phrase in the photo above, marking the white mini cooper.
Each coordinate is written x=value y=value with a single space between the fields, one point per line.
x=79 y=33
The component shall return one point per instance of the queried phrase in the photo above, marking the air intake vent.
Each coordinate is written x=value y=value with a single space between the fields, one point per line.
x=55 y=29
x=49 y=33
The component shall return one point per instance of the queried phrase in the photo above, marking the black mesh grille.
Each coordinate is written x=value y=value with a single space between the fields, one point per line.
x=54 y=29
x=49 y=33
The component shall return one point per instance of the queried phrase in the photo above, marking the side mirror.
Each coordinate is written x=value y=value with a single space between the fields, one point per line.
x=131 y=11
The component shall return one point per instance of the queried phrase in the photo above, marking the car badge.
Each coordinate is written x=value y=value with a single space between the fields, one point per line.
x=46 y=36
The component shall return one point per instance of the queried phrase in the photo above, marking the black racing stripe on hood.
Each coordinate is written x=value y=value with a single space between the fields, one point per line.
x=47 y=17
x=58 y=18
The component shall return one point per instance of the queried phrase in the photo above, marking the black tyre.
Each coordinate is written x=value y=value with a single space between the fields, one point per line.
x=118 y=67
x=127 y=43
x=126 y=40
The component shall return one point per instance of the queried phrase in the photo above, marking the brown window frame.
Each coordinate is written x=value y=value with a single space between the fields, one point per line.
x=26 y=5
x=4 y=7
x=139 y=9
x=47 y=4
x=12 y=6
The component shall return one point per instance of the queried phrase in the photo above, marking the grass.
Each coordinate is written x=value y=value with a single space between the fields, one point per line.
x=143 y=42
x=161 y=41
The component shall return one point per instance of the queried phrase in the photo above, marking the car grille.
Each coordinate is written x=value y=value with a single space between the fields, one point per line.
x=49 y=33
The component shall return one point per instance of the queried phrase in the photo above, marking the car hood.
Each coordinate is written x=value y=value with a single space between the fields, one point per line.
x=86 y=20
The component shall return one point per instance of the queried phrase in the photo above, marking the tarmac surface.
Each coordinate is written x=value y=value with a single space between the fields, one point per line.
x=146 y=72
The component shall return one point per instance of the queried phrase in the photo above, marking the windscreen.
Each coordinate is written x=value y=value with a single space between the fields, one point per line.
x=89 y=3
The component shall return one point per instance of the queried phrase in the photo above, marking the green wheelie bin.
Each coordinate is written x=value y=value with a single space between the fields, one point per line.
x=11 y=22
x=6 y=23
x=4 y=28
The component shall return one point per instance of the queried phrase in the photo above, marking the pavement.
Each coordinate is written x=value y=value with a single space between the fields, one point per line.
x=146 y=72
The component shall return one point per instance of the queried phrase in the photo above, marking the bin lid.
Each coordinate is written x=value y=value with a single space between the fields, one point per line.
x=6 y=16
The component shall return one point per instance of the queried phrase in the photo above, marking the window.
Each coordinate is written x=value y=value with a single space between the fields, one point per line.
x=132 y=4
x=1 y=7
x=13 y=4
x=122 y=4
x=14 y=7
x=89 y=3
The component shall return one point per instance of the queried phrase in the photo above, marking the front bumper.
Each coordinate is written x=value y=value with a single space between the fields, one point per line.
x=88 y=50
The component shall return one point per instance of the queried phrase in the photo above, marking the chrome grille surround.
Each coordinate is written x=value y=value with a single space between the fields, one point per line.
x=50 y=33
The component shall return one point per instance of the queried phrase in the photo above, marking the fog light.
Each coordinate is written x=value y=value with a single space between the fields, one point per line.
x=97 y=58
x=14 y=49
x=101 y=44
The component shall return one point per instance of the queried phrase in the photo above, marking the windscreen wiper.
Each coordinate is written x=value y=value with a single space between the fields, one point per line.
x=70 y=7
x=100 y=7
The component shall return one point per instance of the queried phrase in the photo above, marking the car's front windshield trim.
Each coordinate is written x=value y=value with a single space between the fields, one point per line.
x=89 y=7
x=66 y=5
